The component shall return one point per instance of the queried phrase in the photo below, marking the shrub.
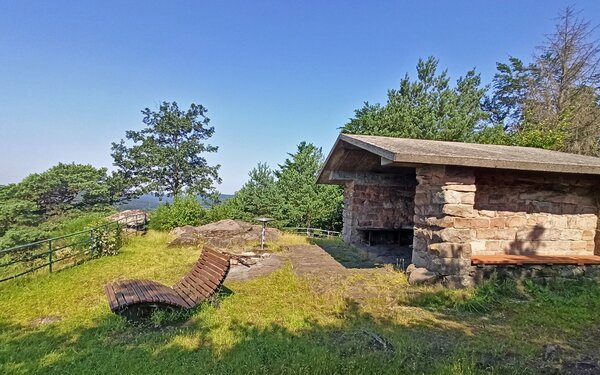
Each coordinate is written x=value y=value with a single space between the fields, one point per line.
x=229 y=209
x=183 y=211
x=21 y=235
x=107 y=240
x=75 y=221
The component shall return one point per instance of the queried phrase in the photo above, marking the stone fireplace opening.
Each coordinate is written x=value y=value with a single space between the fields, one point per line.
x=379 y=211
x=376 y=236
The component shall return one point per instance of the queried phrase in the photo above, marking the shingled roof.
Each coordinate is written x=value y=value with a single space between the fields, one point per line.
x=364 y=152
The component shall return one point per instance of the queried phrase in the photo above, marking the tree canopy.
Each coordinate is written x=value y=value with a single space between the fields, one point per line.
x=167 y=156
x=64 y=188
x=551 y=102
x=289 y=194
x=259 y=195
x=554 y=101
x=426 y=108
x=304 y=202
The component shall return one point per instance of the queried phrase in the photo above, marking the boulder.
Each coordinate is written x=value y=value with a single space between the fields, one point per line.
x=411 y=267
x=422 y=276
x=184 y=231
x=222 y=234
x=185 y=236
x=131 y=218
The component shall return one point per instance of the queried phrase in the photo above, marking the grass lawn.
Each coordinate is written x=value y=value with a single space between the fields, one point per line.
x=370 y=321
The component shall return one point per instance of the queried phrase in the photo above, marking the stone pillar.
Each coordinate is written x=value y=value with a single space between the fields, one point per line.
x=349 y=229
x=445 y=222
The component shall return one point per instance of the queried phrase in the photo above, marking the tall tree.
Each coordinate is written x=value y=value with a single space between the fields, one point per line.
x=66 y=186
x=26 y=206
x=166 y=157
x=304 y=203
x=428 y=108
x=258 y=196
x=565 y=92
x=509 y=91
x=553 y=102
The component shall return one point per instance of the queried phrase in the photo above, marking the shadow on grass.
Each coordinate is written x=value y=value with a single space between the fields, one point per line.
x=363 y=256
x=361 y=344
x=352 y=341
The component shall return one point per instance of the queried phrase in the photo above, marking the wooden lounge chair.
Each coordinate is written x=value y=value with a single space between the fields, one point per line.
x=136 y=299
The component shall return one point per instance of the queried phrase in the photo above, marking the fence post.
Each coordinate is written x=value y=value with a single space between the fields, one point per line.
x=50 y=255
x=91 y=243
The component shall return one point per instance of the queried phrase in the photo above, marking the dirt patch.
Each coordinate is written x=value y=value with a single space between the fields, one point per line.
x=585 y=366
x=353 y=342
x=44 y=320
x=579 y=356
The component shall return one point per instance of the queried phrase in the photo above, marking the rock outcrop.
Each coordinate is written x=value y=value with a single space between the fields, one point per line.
x=130 y=218
x=221 y=234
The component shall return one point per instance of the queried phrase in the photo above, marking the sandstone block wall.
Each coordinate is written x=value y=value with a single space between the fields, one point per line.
x=461 y=212
x=533 y=214
x=377 y=201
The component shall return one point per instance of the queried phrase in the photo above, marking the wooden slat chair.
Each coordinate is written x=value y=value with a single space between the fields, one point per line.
x=136 y=299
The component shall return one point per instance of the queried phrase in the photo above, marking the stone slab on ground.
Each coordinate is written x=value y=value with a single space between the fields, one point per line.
x=264 y=267
x=313 y=260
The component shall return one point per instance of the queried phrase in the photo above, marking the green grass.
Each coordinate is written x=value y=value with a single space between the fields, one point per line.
x=280 y=324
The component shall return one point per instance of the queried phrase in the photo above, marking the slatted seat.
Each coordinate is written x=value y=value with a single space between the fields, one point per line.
x=137 y=298
x=519 y=260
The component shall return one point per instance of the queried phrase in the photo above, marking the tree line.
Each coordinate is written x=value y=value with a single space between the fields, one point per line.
x=552 y=102
x=288 y=194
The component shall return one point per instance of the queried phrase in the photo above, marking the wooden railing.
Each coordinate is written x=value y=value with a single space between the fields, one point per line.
x=79 y=246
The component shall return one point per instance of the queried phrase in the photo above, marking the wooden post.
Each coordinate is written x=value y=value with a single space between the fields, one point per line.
x=50 y=255
x=91 y=243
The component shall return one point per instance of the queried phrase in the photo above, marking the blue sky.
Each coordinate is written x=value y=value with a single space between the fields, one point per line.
x=74 y=75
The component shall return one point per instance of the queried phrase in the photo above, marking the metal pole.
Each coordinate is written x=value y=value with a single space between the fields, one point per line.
x=262 y=235
x=50 y=255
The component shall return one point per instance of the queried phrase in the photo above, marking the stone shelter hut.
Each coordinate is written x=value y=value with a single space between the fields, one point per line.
x=470 y=209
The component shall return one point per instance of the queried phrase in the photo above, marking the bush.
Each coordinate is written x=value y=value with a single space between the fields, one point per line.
x=229 y=209
x=183 y=211
x=75 y=221
x=107 y=240
x=20 y=236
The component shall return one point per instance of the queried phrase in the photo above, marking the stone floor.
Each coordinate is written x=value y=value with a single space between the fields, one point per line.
x=330 y=260
x=263 y=267
x=345 y=270
x=312 y=259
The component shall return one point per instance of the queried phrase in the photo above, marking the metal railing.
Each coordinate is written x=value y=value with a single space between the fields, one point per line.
x=314 y=232
x=23 y=259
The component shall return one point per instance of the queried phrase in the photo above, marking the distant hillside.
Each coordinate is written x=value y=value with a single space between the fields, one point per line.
x=149 y=202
